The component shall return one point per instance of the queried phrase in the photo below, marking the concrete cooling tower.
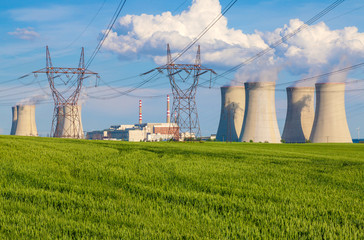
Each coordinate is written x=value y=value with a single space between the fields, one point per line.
x=260 y=120
x=14 y=120
x=232 y=113
x=24 y=123
x=330 y=125
x=59 y=123
x=69 y=122
x=300 y=114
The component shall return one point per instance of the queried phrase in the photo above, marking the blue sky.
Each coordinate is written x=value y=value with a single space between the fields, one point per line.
x=27 y=26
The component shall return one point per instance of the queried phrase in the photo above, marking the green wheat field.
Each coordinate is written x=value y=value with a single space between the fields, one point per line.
x=61 y=188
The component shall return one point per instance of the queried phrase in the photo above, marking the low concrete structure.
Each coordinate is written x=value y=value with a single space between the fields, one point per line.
x=98 y=135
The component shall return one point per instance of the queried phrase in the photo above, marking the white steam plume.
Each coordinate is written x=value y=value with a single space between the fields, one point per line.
x=33 y=100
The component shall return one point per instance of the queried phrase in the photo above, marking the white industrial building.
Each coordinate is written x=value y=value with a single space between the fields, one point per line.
x=143 y=132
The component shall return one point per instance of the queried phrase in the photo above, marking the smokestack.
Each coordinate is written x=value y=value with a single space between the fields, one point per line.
x=14 y=120
x=300 y=114
x=168 y=111
x=232 y=113
x=260 y=120
x=66 y=128
x=330 y=125
x=140 y=112
x=25 y=123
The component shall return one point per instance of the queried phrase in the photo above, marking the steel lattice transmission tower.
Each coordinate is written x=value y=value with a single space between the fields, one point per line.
x=184 y=80
x=66 y=85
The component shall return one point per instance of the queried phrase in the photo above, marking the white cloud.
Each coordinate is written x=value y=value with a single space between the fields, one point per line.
x=46 y=14
x=149 y=34
x=25 y=33
x=315 y=50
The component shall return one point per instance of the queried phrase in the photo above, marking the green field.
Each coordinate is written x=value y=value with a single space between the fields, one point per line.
x=59 y=188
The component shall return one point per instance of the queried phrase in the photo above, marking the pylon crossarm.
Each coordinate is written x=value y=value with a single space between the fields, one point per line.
x=63 y=70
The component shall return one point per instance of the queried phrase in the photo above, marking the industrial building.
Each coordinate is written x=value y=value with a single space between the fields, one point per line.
x=330 y=124
x=23 y=121
x=141 y=132
x=232 y=113
x=145 y=132
x=260 y=120
x=300 y=114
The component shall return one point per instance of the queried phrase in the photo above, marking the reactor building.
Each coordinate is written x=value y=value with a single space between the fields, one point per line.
x=23 y=121
x=232 y=113
x=300 y=114
x=260 y=120
x=140 y=132
x=330 y=124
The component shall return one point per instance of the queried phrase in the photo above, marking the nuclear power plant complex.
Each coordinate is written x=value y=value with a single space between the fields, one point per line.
x=314 y=114
x=252 y=71
x=248 y=114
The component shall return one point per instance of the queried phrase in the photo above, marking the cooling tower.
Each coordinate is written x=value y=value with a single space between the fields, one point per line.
x=25 y=123
x=330 y=125
x=69 y=123
x=14 y=120
x=260 y=120
x=232 y=113
x=59 y=123
x=300 y=114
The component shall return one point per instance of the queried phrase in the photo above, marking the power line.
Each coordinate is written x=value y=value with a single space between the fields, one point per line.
x=188 y=46
x=205 y=30
x=106 y=34
x=88 y=25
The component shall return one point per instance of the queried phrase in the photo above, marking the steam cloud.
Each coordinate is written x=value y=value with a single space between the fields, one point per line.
x=313 y=51
x=33 y=100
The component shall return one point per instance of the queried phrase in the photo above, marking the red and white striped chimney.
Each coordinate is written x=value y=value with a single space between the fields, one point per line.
x=168 y=111
x=140 y=112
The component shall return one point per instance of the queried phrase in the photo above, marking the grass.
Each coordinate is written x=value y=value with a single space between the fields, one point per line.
x=60 y=188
